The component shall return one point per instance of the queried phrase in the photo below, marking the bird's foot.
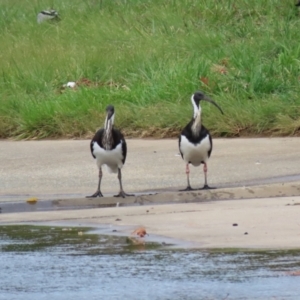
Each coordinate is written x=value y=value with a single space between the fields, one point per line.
x=123 y=194
x=97 y=194
x=206 y=187
x=188 y=188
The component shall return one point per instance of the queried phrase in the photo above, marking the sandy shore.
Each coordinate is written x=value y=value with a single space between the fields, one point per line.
x=258 y=180
x=261 y=223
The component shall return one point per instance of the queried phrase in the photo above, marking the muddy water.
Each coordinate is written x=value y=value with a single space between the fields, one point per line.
x=70 y=263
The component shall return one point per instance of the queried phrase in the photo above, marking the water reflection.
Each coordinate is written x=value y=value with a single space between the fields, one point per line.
x=64 y=265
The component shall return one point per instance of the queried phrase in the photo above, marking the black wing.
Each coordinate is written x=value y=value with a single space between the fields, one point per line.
x=211 y=144
x=179 y=142
x=118 y=137
x=187 y=132
x=97 y=138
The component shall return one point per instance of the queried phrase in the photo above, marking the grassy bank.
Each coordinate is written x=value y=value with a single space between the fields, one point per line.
x=147 y=58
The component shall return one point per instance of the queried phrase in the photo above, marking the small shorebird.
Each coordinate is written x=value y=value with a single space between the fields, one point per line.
x=46 y=15
x=195 y=142
x=109 y=148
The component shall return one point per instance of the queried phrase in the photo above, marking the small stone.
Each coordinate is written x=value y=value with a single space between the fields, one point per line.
x=246 y=233
x=70 y=84
x=114 y=230
x=118 y=219
x=234 y=224
x=147 y=211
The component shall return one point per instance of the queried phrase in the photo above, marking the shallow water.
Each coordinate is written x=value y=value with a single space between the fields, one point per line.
x=51 y=263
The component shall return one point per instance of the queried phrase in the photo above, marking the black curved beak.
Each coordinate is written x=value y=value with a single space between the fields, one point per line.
x=110 y=111
x=109 y=114
x=206 y=98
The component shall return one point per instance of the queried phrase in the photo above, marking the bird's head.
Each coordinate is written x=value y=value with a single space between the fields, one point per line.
x=199 y=96
x=110 y=116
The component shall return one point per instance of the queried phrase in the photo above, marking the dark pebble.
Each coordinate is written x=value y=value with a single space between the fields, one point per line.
x=234 y=224
x=114 y=230
x=118 y=219
x=147 y=211
x=246 y=233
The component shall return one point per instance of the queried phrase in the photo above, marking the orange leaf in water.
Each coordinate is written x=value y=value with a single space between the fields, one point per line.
x=293 y=273
x=141 y=232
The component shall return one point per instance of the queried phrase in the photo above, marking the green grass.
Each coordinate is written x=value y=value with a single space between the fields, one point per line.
x=147 y=58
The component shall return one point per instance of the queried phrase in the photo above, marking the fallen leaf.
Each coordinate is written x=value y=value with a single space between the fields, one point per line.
x=204 y=80
x=224 y=62
x=141 y=232
x=294 y=273
x=84 y=81
x=219 y=69
x=32 y=200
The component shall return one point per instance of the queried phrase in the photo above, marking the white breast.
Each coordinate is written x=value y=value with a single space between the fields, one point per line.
x=111 y=158
x=195 y=154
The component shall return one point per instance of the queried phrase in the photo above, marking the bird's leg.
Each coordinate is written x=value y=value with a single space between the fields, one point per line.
x=121 y=193
x=206 y=187
x=187 y=171
x=98 y=192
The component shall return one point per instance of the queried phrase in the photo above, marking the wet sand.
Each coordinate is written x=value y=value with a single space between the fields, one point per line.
x=261 y=223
